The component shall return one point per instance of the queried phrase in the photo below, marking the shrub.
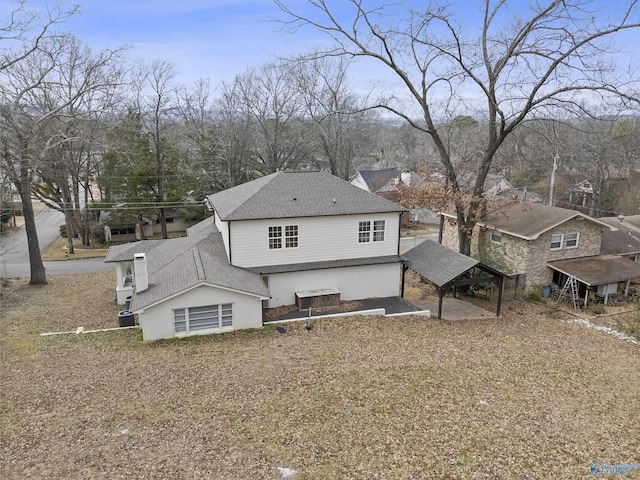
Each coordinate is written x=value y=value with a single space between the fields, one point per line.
x=63 y=230
x=535 y=296
x=598 y=308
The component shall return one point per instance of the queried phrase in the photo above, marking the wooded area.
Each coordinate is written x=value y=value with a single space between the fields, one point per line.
x=87 y=131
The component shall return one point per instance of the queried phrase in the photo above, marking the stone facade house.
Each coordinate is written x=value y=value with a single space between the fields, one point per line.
x=520 y=239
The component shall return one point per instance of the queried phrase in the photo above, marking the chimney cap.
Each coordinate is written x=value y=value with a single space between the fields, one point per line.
x=139 y=256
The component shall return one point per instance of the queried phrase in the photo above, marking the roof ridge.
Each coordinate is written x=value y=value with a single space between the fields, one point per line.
x=199 y=266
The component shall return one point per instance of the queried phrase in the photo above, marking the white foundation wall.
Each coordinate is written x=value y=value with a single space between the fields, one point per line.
x=157 y=322
x=354 y=283
x=319 y=239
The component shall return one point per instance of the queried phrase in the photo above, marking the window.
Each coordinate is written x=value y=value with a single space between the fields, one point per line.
x=496 y=237
x=378 y=230
x=194 y=319
x=571 y=240
x=556 y=241
x=275 y=237
x=290 y=237
x=364 y=231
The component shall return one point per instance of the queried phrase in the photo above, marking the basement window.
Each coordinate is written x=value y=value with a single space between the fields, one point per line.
x=496 y=237
x=195 y=319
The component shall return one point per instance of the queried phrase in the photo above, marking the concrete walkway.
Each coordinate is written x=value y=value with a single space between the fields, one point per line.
x=453 y=309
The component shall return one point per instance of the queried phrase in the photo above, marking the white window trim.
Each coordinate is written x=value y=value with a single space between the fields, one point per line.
x=188 y=331
x=577 y=234
x=552 y=249
x=283 y=237
x=499 y=235
x=371 y=231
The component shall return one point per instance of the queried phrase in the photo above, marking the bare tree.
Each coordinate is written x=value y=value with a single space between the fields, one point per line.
x=334 y=113
x=35 y=96
x=550 y=58
x=156 y=99
x=269 y=98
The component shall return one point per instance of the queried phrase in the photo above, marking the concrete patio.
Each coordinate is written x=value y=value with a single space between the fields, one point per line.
x=453 y=309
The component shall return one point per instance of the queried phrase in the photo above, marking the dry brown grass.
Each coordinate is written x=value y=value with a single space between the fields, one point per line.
x=58 y=251
x=524 y=396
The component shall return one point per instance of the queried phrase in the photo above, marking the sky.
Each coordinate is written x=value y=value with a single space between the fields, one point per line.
x=218 y=39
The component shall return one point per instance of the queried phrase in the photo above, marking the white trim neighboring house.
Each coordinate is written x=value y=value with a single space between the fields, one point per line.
x=282 y=234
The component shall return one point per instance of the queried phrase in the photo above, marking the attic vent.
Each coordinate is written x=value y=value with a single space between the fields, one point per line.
x=199 y=266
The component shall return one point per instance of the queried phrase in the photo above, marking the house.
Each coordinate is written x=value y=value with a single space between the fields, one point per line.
x=521 y=238
x=283 y=239
x=386 y=182
x=625 y=241
x=126 y=229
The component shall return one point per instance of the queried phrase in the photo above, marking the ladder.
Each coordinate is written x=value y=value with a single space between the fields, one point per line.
x=570 y=284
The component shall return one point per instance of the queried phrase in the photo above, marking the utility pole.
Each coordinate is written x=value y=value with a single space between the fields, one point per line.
x=556 y=157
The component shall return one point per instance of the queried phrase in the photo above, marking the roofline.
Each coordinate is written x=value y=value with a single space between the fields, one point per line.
x=399 y=210
x=536 y=236
x=199 y=284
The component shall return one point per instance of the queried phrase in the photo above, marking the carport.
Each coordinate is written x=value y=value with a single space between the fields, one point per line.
x=446 y=269
x=599 y=272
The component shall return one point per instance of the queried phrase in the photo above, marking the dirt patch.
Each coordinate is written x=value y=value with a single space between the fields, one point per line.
x=361 y=398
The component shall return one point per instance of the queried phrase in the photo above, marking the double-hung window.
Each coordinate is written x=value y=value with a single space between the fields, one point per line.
x=364 y=232
x=556 y=241
x=571 y=240
x=194 y=319
x=290 y=237
x=368 y=231
x=275 y=237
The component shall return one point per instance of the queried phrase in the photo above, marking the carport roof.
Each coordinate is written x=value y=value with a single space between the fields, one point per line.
x=437 y=263
x=599 y=270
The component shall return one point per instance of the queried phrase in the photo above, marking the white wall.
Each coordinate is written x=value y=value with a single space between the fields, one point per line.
x=223 y=228
x=354 y=283
x=122 y=291
x=359 y=182
x=157 y=321
x=319 y=239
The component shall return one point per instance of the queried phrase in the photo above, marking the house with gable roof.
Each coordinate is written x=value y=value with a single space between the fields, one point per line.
x=277 y=240
x=524 y=238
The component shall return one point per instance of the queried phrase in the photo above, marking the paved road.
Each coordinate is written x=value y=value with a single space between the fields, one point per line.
x=14 y=253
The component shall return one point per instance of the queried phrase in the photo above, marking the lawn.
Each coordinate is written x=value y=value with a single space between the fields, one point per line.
x=523 y=396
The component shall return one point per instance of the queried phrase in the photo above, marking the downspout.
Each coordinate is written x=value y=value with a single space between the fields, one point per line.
x=229 y=237
x=399 y=231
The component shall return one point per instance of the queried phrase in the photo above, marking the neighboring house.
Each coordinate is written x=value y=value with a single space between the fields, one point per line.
x=625 y=241
x=522 y=238
x=286 y=238
x=115 y=231
x=385 y=183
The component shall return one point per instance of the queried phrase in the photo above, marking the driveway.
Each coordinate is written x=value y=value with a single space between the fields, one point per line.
x=407 y=243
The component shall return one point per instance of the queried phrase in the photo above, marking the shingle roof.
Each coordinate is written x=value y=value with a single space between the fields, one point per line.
x=599 y=270
x=178 y=264
x=297 y=194
x=349 y=262
x=376 y=179
x=437 y=263
x=624 y=241
x=529 y=220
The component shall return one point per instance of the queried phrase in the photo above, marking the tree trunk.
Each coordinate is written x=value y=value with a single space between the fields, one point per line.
x=38 y=275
